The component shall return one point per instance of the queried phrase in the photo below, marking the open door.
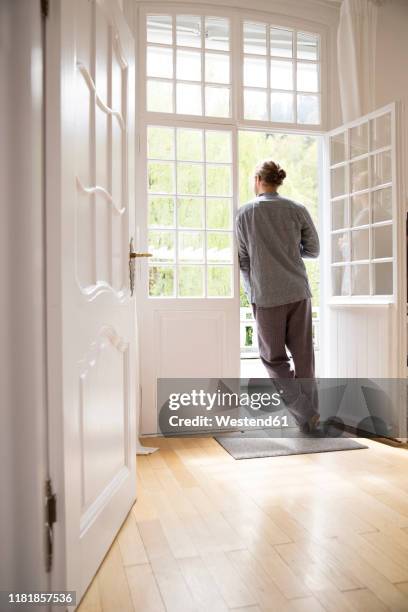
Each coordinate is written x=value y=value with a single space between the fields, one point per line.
x=91 y=318
x=364 y=257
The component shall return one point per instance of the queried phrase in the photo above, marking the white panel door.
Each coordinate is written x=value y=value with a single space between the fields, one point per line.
x=90 y=160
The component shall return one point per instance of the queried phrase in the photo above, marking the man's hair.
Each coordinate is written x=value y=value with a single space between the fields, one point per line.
x=270 y=173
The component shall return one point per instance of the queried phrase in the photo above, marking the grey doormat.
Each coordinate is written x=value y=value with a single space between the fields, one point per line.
x=245 y=447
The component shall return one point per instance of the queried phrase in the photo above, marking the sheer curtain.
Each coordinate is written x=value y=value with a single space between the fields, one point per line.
x=356 y=44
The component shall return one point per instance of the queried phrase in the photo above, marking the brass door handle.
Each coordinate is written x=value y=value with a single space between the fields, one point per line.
x=133 y=255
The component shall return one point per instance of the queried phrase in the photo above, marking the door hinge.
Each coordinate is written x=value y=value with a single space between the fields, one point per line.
x=50 y=519
x=45 y=8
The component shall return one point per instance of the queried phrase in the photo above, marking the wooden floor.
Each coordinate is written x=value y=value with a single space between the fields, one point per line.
x=305 y=533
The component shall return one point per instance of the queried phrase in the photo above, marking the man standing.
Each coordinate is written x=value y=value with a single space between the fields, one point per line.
x=273 y=235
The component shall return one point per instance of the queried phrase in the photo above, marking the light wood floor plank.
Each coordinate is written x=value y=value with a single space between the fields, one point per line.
x=143 y=589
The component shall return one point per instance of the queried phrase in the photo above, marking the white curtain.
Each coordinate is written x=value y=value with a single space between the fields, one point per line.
x=356 y=43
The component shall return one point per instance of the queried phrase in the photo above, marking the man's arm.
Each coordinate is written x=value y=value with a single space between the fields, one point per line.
x=243 y=256
x=309 y=244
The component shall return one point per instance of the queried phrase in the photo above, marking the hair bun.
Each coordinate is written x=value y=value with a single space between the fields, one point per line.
x=270 y=173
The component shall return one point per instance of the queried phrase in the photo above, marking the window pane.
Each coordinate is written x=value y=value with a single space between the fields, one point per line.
x=359 y=175
x=382 y=241
x=255 y=72
x=380 y=132
x=217 y=68
x=359 y=245
x=338 y=181
x=161 y=177
x=307 y=46
x=160 y=142
x=218 y=146
x=219 y=180
x=340 y=247
x=219 y=247
x=162 y=245
x=338 y=148
x=255 y=38
x=189 y=145
x=281 y=42
x=339 y=214
x=161 y=212
x=161 y=281
x=382 y=278
x=340 y=280
x=190 y=212
x=219 y=213
x=255 y=104
x=360 y=279
x=217 y=101
x=307 y=77
x=308 y=109
x=159 y=62
x=191 y=246
x=188 y=99
x=160 y=97
x=191 y=281
x=360 y=210
x=188 y=30
x=188 y=65
x=282 y=107
x=190 y=179
x=159 y=29
x=281 y=74
x=219 y=281
x=381 y=168
x=382 y=205
x=359 y=140
x=216 y=33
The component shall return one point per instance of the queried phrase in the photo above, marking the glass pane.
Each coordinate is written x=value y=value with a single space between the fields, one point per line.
x=281 y=74
x=382 y=241
x=162 y=245
x=217 y=68
x=216 y=33
x=255 y=38
x=308 y=109
x=161 y=281
x=380 y=132
x=339 y=214
x=190 y=212
x=217 y=146
x=359 y=140
x=188 y=99
x=219 y=247
x=191 y=246
x=281 y=42
x=255 y=104
x=255 y=71
x=190 y=179
x=307 y=77
x=219 y=213
x=188 y=65
x=160 y=97
x=188 y=30
x=161 y=177
x=282 y=107
x=219 y=180
x=359 y=245
x=338 y=181
x=359 y=175
x=307 y=46
x=219 y=281
x=217 y=101
x=360 y=279
x=382 y=278
x=189 y=145
x=341 y=280
x=161 y=212
x=382 y=204
x=159 y=29
x=340 y=247
x=337 y=148
x=191 y=281
x=160 y=142
x=381 y=168
x=159 y=62
x=360 y=210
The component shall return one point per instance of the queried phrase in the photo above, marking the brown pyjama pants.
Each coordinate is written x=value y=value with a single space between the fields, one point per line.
x=289 y=327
